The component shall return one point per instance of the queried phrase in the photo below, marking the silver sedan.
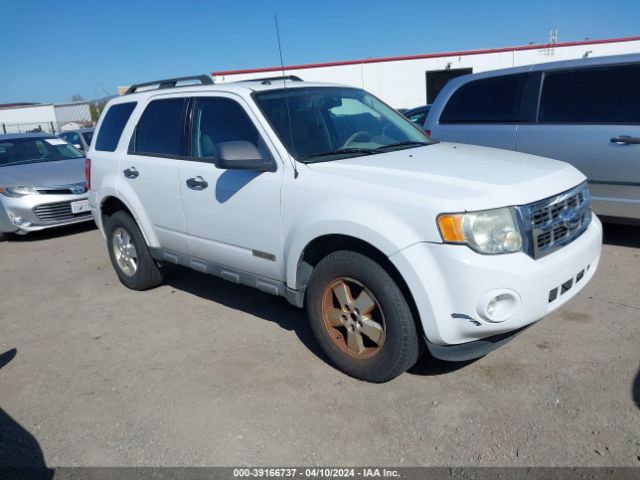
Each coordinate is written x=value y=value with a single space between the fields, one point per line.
x=42 y=184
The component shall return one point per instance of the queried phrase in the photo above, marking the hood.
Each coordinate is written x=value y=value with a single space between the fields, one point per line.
x=43 y=174
x=463 y=177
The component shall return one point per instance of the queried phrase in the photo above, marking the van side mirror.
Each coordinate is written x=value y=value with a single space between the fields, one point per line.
x=240 y=155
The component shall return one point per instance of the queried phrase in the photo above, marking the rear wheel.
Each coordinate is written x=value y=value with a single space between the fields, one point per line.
x=130 y=255
x=361 y=318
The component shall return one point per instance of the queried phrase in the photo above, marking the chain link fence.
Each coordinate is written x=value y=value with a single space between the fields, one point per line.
x=38 y=127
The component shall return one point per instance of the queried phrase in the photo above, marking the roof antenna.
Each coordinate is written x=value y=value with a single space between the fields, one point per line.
x=286 y=98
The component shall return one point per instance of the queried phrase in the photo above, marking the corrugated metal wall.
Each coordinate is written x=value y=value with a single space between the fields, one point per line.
x=72 y=112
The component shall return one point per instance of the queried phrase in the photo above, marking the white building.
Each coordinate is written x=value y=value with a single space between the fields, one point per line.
x=410 y=81
x=49 y=117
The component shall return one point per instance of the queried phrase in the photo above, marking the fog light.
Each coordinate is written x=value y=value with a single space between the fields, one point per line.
x=491 y=306
x=498 y=305
x=15 y=219
x=18 y=221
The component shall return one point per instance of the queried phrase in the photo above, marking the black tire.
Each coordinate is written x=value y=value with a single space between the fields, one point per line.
x=147 y=274
x=400 y=347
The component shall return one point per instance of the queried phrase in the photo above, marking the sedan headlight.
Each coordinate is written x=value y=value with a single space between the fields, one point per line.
x=489 y=231
x=17 y=192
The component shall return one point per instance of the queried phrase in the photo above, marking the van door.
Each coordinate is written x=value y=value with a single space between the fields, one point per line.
x=150 y=170
x=233 y=216
x=590 y=118
x=482 y=112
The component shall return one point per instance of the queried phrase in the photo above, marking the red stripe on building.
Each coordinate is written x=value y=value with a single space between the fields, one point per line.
x=427 y=55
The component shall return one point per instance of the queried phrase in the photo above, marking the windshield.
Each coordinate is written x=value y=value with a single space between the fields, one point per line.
x=331 y=123
x=87 y=137
x=18 y=151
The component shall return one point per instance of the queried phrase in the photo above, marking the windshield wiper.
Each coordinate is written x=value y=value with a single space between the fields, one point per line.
x=37 y=160
x=21 y=162
x=340 y=151
x=364 y=151
x=409 y=143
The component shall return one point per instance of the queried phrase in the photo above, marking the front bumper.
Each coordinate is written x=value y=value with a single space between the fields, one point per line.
x=451 y=284
x=18 y=215
x=463 y=352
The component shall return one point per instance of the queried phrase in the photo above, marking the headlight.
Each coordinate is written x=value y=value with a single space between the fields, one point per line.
x=18 y=191
x=490 y=231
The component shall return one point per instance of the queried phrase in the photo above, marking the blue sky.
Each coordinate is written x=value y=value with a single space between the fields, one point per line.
x=53 y=50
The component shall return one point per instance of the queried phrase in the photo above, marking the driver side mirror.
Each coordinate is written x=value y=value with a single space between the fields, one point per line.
x=241 y=155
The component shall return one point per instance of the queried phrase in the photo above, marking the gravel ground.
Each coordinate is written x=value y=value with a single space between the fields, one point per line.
x=203 y=372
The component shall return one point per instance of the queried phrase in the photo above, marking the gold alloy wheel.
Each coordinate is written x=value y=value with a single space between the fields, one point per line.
x=353 y=318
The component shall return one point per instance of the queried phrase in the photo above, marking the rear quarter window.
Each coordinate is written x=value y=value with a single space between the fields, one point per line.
x=111 y=128
x=594 y=95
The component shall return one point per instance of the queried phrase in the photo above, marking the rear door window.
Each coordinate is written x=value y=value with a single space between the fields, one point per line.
x=490 y=100
x=160 y=129
x=595 y=95
x=111 y=128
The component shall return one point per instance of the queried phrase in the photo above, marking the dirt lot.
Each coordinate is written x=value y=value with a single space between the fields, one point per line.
x=203 y=372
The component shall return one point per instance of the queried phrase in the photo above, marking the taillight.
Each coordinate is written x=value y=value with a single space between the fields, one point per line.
x=427 y=131
x=87 y=172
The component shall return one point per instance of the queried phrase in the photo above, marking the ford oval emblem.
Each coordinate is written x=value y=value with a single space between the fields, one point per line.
x=570 y=218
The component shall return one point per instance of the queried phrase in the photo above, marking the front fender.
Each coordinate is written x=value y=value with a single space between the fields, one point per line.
x=376 y=226
x=5 y=224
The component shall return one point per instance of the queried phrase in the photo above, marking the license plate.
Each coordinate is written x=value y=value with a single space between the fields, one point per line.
x=80 y=206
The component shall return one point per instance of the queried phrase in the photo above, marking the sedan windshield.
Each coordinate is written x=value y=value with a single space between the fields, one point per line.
x=16 y=151
x=319 y=124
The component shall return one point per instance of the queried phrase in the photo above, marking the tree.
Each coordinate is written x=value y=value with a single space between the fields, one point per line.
x=77 y=98
x=96 y=108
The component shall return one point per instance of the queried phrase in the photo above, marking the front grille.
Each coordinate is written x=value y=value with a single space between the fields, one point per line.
x=57 y=212
x=554 y=222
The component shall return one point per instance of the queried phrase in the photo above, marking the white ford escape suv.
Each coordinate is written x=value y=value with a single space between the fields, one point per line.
x=326 y=196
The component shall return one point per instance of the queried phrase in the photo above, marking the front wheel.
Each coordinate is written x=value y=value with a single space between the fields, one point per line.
x=360 y=317
x=130 y=255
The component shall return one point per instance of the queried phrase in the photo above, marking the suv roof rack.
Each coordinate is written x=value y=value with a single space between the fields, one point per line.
x=170 y=83
x=267 y=80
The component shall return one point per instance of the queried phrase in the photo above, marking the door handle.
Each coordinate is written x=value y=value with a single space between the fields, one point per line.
x=131 y=173
x=197 y=183
x=625 y=140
